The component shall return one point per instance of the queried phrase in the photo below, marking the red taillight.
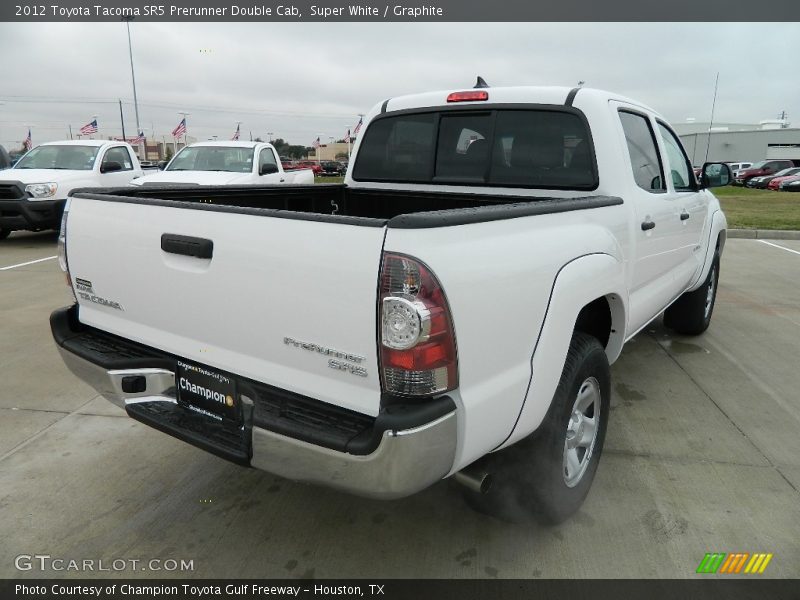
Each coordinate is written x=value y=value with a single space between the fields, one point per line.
x=417 y=341
x=468 y=96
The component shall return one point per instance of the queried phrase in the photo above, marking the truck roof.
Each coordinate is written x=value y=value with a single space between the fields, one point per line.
x=512 y=95
x=82 y=143
x=230 y=143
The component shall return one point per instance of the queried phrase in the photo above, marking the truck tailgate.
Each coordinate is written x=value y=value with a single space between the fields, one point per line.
x=278 y=300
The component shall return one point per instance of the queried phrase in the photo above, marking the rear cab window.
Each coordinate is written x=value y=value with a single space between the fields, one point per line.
x=547 y=148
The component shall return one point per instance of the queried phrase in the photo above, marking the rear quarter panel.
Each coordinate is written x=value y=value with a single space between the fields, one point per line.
x=498 y=277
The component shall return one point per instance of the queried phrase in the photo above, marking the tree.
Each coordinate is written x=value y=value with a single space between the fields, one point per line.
x=342 y=156
x=258 y=139
x=168 y=153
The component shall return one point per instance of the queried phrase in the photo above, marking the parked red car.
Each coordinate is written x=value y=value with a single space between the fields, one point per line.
x=764 y=167
x=310 y=164
x=776 y=182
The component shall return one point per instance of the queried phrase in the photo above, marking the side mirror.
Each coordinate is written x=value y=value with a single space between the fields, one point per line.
x=162 y=164
x=715 y=175
x=110 y=166
x=267 y=169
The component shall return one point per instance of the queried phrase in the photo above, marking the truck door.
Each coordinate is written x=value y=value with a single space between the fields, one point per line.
x=693 y=203
x=117 y=154
x=656 y=231
x=267 y=169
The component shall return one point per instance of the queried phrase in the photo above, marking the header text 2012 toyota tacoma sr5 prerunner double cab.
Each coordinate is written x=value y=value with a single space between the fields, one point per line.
x=450 y=310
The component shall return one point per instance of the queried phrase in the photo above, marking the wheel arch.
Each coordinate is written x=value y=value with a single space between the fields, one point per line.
x=717 y=236
x=589 y=294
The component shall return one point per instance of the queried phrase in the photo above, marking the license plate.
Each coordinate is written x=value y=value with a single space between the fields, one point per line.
x=207 y=392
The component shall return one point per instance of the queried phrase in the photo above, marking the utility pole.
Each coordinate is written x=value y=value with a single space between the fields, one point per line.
x=269 y=135
x=133 y=78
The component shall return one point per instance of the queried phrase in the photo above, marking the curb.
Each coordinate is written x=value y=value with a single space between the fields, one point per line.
x=764 y=234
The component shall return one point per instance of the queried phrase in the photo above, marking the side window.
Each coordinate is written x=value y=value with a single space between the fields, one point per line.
x=267 y=157
x=682 y=178
x=119 y=155
x=645 y=161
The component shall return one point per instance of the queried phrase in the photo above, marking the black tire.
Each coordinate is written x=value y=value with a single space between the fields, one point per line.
x=4 y=233
x=691 y=313
x=529 y=478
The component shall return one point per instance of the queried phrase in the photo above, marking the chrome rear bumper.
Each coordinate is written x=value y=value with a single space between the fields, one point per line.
x=404 y=462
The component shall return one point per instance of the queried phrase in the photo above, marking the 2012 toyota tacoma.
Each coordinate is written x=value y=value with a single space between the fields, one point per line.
x=451 y=309
x=34 y=190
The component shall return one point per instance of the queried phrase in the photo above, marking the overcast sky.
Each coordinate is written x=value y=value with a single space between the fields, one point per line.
x=300 y=80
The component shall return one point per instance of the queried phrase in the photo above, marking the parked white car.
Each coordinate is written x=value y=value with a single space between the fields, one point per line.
x=227 y=163
x=735 y=166
x=452 y=309
x=33 y=191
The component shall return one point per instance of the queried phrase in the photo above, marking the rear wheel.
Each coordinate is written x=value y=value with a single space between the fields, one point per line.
x=4 y=233
x=691 y=313
x=548 y=475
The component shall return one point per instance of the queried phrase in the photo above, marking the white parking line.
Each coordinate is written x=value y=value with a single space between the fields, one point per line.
x=25 y=264
x=777 y=246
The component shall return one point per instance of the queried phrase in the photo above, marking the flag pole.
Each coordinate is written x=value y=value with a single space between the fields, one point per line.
x=70 y=131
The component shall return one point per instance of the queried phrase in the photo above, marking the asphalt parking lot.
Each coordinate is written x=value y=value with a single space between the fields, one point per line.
x=701 y=456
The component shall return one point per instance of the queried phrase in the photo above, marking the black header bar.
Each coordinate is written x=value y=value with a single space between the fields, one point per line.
x=401 y=10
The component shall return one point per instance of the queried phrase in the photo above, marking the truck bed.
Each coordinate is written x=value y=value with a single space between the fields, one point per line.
x=345 y=205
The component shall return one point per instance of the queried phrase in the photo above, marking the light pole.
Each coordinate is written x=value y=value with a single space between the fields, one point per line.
x=133 y=78
x=269 y=134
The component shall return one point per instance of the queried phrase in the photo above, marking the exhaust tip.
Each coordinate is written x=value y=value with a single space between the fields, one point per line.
x=476 y=480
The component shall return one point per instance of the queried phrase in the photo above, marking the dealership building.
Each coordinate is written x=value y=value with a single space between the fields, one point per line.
x=738 y=142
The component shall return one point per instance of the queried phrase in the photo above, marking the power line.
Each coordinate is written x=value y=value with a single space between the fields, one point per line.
x=173 y=105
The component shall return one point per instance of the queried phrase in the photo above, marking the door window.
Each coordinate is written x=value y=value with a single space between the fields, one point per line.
x=680 y=174
x=643 y=152
x=119 y=155
x=267 y=157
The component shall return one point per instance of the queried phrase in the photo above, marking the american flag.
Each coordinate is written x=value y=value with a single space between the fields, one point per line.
x=315 y=145
x=236 y=135
x=89 y=128
x=358 y=126
x=180 y=129
x=347 y=137
x=28 y=141
x=140 y=139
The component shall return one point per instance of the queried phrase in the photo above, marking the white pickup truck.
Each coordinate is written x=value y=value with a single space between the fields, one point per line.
x=450 y=310
x=227 y=163
x=33 y=192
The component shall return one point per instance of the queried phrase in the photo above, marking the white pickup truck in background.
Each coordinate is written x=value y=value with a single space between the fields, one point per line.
x=227 y=163
x=33 y=191
x=452 y=309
